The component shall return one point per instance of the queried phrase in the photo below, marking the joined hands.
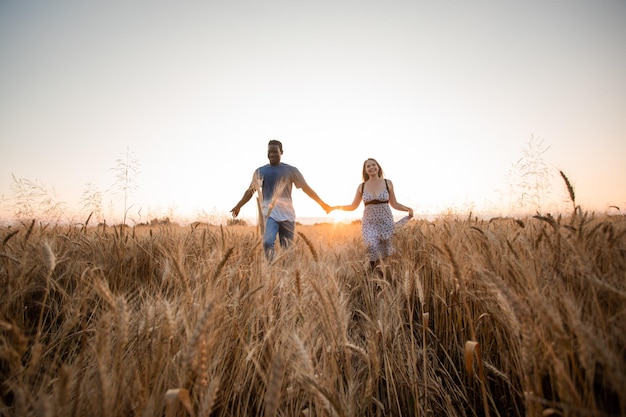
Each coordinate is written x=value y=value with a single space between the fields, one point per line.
x=328 y=208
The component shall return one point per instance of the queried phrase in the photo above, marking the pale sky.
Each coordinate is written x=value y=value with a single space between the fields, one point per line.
x=444 y=94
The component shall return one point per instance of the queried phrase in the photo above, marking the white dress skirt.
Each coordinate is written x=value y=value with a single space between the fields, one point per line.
x=377 y=226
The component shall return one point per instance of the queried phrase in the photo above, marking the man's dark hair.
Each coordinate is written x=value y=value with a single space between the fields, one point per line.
x=277 y=143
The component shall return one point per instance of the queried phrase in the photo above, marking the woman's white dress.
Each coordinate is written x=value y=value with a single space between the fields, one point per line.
x=377 y=225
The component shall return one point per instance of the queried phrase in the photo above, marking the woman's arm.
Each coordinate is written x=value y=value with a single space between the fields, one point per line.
x=394 y=203
x=355 y=202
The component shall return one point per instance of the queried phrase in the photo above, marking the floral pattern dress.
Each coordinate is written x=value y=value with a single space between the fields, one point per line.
x=377 y=225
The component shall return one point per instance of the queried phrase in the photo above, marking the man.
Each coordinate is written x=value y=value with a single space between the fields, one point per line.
x=275 y=181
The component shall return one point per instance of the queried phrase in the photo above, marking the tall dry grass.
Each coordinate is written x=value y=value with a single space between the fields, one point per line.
x=470 y=318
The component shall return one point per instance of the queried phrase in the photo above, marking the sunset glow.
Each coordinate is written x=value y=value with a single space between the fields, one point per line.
x=446 y=96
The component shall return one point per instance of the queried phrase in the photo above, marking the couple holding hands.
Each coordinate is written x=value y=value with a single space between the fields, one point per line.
x=274 y=182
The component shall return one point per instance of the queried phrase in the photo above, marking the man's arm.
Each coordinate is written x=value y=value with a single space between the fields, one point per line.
x=309 y=191
x=300 y=182
x=246 y=197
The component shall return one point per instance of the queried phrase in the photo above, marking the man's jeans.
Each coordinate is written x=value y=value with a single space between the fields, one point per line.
x=285 y=231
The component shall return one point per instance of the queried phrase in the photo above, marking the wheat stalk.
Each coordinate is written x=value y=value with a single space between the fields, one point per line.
x=274 y=382
x=472 y=354
x=309 y=245
x=176 y=396
x=220 y=266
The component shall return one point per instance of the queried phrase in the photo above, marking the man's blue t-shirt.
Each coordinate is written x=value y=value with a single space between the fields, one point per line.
x=276 y=183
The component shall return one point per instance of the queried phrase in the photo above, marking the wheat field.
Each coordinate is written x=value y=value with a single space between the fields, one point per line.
x=508 y=317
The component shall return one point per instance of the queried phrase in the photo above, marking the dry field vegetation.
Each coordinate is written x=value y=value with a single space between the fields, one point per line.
x=509 y=317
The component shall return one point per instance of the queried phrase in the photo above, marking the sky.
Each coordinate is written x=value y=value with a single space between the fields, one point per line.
x=447 y=96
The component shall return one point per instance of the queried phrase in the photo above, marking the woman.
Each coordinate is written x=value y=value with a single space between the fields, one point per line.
x=378 y=196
